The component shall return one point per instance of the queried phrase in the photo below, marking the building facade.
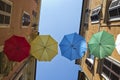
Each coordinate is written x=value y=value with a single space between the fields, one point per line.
x=99 y=15
x=21 y=18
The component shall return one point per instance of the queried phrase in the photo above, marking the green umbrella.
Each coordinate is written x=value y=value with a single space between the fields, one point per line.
x=101 y=44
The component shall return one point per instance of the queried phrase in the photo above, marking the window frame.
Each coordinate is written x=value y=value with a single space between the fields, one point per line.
x=113 y=62
x=114 y=18
x=95 y=14
x=25 y=26
x=90 y=60
x=5 y=13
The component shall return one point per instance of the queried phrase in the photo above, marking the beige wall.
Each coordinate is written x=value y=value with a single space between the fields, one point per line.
x=111 y=27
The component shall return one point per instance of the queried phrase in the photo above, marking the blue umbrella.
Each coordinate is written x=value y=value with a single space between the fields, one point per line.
x=73 y=46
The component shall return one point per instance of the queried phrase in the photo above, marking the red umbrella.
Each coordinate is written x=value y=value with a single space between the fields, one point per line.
x=16 y=48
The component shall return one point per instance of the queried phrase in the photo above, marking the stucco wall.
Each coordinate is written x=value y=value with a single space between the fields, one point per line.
x=110 y=27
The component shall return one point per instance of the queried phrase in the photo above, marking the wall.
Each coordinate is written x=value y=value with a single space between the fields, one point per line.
x=111 y=27
x=16 y=28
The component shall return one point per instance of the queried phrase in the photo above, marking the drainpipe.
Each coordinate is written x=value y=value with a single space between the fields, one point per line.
x=99 y=25
x=95 y=59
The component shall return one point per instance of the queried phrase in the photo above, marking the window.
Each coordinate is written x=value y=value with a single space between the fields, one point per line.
x=82 y=76
x=95 y=15
x=89 y=61
x=114 y=10
x=111 y=69
x=5 y=12
x=25 y=19
x=34 y=22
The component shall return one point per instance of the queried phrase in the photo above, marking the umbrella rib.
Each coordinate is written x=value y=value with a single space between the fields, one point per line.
x=65 y=51
x=42 y=54
x=54 y=52
x=47 y=40
x=67 y=40
x=96 y=39
x=93 y=50
x=106 y=39
x=51 y=49
x=105 y=50
x=52 y=44
x=79 y=40
x=47 y=52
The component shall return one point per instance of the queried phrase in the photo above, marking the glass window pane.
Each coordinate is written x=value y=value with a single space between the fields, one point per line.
x=107 y=63
x=1 y=19
x=25 y=20
x=26 y=23
x=7 y=19
x=2 y=5
x=113 y=13
x=88 y=63
x=106 y=71
x=113 y=77
x=92 y=18
x=116 y=69
x=114 y=3
x=119 y=11
x=8 y=8
x=96 y=17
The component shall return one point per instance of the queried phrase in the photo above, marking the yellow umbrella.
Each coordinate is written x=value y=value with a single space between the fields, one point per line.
x=44 y=48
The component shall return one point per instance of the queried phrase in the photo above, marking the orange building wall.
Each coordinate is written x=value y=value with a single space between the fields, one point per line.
x=16 y=19
x=18 y=6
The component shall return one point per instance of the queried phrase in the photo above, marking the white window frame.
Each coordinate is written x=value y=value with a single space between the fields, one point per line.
x=90 y=60
x=6 y=13
x=91 y=63
x=98 y=8
x=114 y=7
x=22 y=16
x=113 y=61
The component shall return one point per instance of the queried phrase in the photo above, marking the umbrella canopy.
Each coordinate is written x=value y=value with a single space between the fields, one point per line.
x=117 y=43
x=101 y=44
x=44 y=48
x=16 y=48
x=73 y=46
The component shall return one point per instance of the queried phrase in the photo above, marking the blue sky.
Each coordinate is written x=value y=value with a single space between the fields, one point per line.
x=57 y=18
